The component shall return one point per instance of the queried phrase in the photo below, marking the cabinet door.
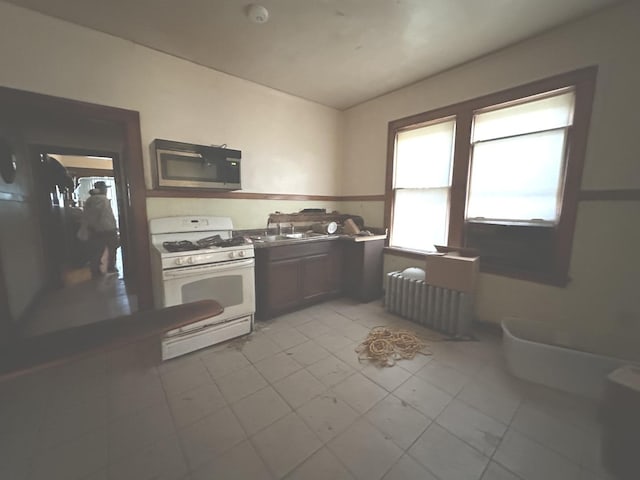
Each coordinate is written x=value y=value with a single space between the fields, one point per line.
x=336 y=262
x=284 y=284
x=316 y=274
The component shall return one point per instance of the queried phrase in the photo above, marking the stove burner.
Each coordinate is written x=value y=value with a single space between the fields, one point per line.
x=207 y=242
x=180 y=246
x=213 y=241
x=232 y=242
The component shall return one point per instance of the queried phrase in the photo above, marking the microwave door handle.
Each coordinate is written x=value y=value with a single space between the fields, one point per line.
x=179 y=152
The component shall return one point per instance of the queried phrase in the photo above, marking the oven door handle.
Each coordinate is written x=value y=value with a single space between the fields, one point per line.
x=209 y=268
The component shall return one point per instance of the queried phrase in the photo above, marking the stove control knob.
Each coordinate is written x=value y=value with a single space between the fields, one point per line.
x=179 y=261
x=241 y=253
x=190 y=260
x=232 y=254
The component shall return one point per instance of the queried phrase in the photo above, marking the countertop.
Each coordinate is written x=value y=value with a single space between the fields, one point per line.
x=319 y=238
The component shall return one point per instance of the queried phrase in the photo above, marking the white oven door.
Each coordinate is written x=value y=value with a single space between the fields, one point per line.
x=231 y=284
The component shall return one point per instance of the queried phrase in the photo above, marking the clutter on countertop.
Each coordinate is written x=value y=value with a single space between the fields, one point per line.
x=311 y=224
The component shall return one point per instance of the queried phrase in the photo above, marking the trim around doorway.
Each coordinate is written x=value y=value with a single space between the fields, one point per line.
x=131 y=162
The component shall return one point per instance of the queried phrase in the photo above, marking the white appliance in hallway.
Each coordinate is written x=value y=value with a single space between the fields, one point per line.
x=196 y=258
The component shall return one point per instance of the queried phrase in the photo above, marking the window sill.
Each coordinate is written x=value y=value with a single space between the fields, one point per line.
x=406 y=253
x=512 y=223
x=551 y=279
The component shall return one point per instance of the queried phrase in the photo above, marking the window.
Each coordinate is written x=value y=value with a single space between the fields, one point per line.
x=422 y=183
x=499 y=173
x=517 y=160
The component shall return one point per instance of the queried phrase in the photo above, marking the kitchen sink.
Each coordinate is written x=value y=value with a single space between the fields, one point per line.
x=290 y=236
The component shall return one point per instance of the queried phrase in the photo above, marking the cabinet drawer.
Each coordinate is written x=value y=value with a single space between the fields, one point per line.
x=300 y=250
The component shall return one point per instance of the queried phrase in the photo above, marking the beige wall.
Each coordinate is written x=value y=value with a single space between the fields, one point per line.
x=70 y=161
x=246 y=214
x=605 y=266
x=289 y=145
x=249 y=214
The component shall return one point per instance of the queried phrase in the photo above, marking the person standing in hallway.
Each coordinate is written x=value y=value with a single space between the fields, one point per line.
x=103 y=230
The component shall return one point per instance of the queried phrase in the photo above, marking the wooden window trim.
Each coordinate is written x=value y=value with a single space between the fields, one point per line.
x=583 y=81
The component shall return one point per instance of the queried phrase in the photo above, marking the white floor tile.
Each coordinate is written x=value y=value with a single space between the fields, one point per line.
x=239 y=463
x=424 y=397
x=194 y=404
x=138 y=430
x=307 y=353
x=277 y=367
x=286 y=444
x=299 y=387
x=443 y=376
x=355 y=332
x=187 y=378
x=210 y=436
x=447 y=456
x=287 y=337
x=322 y=465
x=333 y=341
x=313 y=329
x=417 y=362
x=388 y=378
x=163 y=460
x=241 y=383
x=532 y=461
x=495 y=471
x=496 y=402
x=327 y=415
x=477 y=429
x=408 y=469
x=349 y=356
x=256 y=348
x=366 y=452
x=330 y=370
x=359 y=392
x=260 y=409
x=552 y=432
x=398 y=420
x=224 y=362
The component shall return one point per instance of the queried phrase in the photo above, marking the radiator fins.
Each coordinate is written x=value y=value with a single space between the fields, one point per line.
x=442 y=309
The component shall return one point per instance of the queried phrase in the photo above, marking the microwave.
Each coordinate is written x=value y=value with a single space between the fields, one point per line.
x=187 y=165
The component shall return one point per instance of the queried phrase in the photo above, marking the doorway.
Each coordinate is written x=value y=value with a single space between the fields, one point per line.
x=27 y=119
x=64 y=180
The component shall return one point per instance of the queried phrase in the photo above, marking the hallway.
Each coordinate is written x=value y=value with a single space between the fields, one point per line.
x=87 y=302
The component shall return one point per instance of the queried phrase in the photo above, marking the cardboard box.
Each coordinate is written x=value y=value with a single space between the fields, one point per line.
x=452 y=271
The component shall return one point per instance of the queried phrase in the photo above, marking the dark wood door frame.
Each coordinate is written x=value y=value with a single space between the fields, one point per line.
x=122 y=194
x=132 y=171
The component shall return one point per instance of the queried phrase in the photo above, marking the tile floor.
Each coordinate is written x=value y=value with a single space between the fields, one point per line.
x=87 y=302
x=292 y=401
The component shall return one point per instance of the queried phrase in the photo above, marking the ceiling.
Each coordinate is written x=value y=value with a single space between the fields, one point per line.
x=335 y=52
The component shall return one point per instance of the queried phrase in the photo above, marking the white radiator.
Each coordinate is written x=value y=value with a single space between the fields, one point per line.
x=442 y=309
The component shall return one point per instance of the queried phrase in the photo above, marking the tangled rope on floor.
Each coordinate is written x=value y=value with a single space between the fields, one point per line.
x=386 y=345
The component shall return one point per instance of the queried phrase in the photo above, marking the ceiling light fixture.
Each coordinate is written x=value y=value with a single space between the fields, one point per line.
x=257 y=14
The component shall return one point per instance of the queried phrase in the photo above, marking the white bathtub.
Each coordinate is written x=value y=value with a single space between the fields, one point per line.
x=542 y=353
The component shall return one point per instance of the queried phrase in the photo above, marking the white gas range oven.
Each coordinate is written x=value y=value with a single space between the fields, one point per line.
x=196 y=258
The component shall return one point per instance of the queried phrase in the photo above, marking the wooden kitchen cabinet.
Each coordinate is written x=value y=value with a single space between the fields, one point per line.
x=296 y=275
x=362 y=272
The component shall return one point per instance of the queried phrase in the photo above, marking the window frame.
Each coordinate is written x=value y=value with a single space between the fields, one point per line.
x=393 y=179
x=583 y=82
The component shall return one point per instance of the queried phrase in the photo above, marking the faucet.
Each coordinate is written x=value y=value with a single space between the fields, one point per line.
x=279 y=228
x=293 y=229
